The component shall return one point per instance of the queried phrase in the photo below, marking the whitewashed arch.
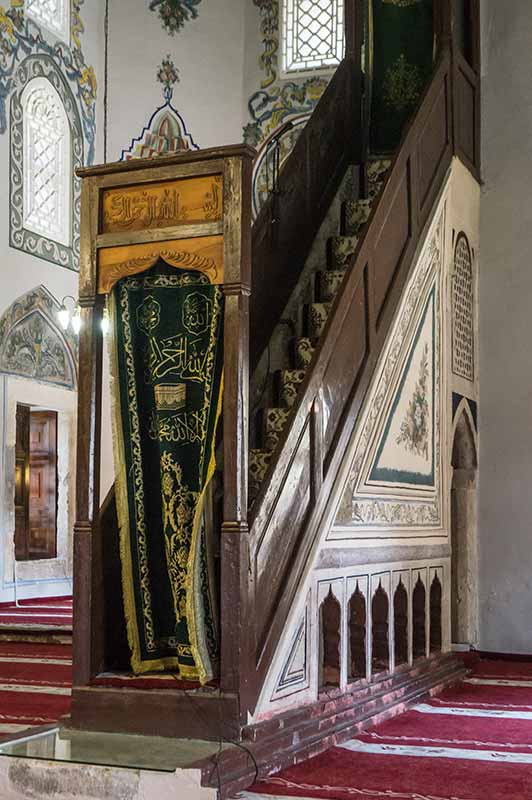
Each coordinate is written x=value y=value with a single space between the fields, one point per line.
x=46 y=149
x=47 y=163
x=32 y=345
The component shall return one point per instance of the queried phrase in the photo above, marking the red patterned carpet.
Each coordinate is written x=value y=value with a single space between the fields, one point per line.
x=55 y=614
x=35 y=681
x=35 y=663
x=472 y=742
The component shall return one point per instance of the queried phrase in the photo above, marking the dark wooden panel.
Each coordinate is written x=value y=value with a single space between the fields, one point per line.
x=282 y=534
x=155 y=712
x=391 y=243
x=42 y=535
x=117 y=654
x=465 y=115
x=343 y=368
x=22 y=481
x=432 y=144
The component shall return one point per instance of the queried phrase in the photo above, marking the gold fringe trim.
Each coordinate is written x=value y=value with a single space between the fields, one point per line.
x=204 y=674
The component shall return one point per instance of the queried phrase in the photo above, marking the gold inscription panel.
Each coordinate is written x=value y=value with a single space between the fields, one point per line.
x=161 y=205
x=204 y=254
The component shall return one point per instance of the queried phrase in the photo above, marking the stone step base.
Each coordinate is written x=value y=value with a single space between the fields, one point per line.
x=303 y=733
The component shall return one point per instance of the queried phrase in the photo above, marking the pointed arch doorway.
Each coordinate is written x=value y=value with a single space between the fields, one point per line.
x=464 y=555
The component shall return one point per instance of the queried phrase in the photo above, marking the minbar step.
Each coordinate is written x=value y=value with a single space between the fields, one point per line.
x=302 y=733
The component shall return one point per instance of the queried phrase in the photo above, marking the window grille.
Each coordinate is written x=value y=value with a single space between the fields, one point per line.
x=463 y=310
x=54 y=15
x=47 y=162
x=312 y=35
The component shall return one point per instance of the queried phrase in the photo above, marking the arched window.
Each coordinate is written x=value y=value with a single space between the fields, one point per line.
x=400 y=626
x=46 y=141
x=435 y=615
x=47 y=162
x=54 y=15
x=330 y=624
x=380 y=651
x=419 y=639
x=463 y=351
x=312 y=35
x=357 y=635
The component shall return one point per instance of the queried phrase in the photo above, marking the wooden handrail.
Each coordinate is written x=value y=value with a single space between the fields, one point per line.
x=285 y=526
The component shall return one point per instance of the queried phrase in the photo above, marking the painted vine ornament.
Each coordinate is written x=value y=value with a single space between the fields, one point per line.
x=269 y=28
x=175 y=13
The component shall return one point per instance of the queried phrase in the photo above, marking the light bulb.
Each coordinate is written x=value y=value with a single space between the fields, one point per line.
x=105 y=322
x=63 y=316
x=76 y=321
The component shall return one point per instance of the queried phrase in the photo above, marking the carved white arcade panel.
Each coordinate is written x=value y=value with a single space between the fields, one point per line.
x=357 y=624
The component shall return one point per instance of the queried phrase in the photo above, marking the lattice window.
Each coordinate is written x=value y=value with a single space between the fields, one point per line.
x=312 y=35
x=463 y=310
x=54 y=15
x=47 y=162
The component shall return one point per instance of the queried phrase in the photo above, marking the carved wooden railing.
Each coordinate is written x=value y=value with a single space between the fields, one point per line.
x=287 y=513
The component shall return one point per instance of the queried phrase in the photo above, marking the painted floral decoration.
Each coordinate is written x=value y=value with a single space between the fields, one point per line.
x=175 y=13
x=415 y=426
x=168 y=75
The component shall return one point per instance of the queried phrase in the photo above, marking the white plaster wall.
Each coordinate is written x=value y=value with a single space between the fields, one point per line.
x=19 y=273
x=505 y=517
x=209 y=54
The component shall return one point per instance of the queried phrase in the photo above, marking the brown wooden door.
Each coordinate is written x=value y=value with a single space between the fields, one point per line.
x=22 y=482
x=42 y=539
x=35 y=484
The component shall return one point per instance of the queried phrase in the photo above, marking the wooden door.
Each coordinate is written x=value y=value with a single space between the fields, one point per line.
x=42 y=538
x=22 y=482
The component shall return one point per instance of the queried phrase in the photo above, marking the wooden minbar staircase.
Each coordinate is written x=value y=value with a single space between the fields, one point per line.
x=274 y=488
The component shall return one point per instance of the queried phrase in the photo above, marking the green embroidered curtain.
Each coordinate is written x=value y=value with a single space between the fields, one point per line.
x=402 y=60
x=167 y=358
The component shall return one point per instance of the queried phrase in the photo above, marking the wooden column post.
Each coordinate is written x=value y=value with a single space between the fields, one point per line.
x=88 y=624
x=235 y=590
x=357 y=133
x=443 y=29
